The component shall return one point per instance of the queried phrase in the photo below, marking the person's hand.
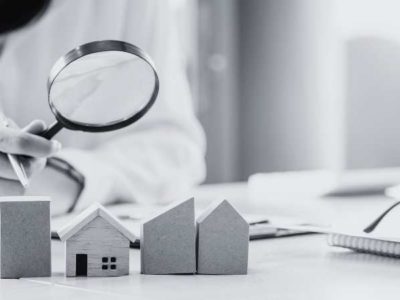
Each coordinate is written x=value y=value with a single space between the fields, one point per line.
x=32 y=150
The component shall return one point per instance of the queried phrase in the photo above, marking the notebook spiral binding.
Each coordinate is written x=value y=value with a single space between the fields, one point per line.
x=365 y=244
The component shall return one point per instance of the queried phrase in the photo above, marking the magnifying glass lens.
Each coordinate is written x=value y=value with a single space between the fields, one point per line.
x=102 y=88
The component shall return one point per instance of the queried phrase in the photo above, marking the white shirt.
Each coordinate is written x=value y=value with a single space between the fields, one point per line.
x=155 y=160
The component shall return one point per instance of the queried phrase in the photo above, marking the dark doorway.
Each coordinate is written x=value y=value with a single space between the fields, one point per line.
x=81 y=265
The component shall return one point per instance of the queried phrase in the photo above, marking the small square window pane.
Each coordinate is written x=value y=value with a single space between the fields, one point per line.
x=104 y=267
x=113 y=267
x=104 y=259
x=113 y=259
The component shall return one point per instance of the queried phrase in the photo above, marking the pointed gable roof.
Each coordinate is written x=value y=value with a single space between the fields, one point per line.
x=88 y=215
x=217 y=206
x=170 y=210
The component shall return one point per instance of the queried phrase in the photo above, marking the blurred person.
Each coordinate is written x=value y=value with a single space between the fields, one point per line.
x=155 y=160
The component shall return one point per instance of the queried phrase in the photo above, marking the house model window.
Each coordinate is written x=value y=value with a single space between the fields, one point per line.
x=109 y=263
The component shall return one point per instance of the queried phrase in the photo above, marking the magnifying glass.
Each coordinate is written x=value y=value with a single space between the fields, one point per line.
x=96 y=87
x=101 y=86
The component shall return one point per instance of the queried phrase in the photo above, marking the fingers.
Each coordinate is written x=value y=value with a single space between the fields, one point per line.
x=15 y=141
x=31 y=166
x=31 y=148
x=35 y=127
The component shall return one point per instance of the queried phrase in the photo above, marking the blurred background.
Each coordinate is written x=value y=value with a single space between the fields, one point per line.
x=294 y=85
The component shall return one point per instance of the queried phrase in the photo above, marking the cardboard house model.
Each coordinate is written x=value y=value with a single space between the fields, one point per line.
x=25 y=249
x=168 y=241
x=222 y=240
x=97 y=244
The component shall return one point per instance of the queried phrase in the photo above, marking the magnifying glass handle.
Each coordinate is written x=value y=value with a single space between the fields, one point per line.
x=52 y=130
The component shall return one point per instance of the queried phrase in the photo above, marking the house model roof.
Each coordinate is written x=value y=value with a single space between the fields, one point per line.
x=169 y=209
x=88 y=215
x=216 y=207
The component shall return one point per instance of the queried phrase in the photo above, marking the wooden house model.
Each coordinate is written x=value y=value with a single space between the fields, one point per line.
x=222 y=240
x=97 y=244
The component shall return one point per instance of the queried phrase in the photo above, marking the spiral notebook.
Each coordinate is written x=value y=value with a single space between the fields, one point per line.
x=366 y=244
x=355 y=240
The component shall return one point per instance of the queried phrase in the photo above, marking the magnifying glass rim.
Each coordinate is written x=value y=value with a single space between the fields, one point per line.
x=91 y=48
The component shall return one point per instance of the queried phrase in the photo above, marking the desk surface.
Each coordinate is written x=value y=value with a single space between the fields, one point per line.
x=302 y=267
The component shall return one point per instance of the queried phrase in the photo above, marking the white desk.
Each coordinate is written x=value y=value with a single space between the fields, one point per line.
x=301 y=267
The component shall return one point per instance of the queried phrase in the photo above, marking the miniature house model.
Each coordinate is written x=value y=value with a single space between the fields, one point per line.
x=25 y=249
x=97 y=244
x=222 y=240
x=168 y=241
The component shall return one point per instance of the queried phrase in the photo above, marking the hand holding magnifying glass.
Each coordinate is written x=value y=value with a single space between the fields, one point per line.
x=99 y=86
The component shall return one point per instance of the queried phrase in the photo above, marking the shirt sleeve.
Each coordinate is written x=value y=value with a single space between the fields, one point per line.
x=161 y=157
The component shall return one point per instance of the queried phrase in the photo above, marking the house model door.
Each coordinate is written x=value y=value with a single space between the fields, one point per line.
x=81 y=265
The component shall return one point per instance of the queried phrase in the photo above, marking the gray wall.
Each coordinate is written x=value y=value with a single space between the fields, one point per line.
x=288 y=86
x=305 y=84
x=218 y=98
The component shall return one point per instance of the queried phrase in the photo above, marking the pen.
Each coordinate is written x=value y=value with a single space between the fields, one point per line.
x=17 y=166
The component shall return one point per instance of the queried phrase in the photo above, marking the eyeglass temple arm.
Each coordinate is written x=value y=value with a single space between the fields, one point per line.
x=376 y=222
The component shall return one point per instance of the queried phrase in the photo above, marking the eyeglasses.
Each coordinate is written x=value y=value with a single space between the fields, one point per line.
x=376 y=222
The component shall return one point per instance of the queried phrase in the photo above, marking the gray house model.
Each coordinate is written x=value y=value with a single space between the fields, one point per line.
x=222 y=240
x=25 y=249
x=168 y=241
x=97 y=244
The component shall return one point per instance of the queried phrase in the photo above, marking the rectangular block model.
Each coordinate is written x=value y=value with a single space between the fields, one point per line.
x=168 y=241
x=25 y=249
